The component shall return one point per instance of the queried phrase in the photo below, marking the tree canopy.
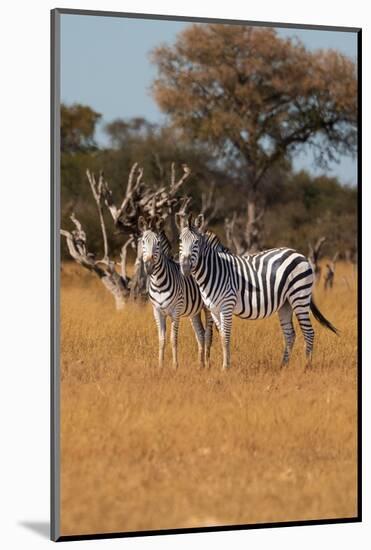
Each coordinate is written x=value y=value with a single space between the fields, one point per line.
x=78 y=123
x=256 y=97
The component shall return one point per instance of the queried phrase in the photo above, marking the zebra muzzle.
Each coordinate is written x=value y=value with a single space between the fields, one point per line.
x=148 y=267
x=185 y=266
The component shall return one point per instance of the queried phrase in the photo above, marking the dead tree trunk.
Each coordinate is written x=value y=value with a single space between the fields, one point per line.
x=314 y=256
x=244 y=231
x=139 y=199
x=117 y=284
x=330 y=274
x=142 y=200
x=253 y=229
x=139 y=287
x=235 y=235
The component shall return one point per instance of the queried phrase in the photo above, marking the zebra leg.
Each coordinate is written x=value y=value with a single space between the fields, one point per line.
x=285 y=316
x=307 y=330
x=225 y=334
x=161 y=327
x=174 y=340
x=200 y=335
x=208 y=336
x=216 y=318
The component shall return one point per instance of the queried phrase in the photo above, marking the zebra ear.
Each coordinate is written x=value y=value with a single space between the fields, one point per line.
x=153 y=223
x=142 y=224
x=200 y=222
x=189 y=220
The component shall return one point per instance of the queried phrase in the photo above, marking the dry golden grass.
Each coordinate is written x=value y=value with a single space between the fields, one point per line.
x=143 y=448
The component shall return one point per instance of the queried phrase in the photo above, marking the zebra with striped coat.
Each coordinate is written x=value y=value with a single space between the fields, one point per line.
x=251 y=287
x=172 y=294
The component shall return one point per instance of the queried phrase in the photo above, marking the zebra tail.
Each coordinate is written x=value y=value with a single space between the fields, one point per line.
x=321 y=318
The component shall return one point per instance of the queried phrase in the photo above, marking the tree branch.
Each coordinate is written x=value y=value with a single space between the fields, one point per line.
x=97 y=190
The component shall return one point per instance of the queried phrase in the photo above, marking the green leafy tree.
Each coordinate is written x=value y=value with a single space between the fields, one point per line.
x=78 y=124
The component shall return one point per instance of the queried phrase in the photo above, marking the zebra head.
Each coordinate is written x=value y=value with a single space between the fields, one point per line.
x=190 y=244
x=150 y=243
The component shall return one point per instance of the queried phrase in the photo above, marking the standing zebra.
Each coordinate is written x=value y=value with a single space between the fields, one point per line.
x=251 y=287
x=172 y=293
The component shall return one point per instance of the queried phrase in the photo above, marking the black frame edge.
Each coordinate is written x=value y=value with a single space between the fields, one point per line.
x=213 y=529
x=196 y=19
x=54 y=274
x=359 y=273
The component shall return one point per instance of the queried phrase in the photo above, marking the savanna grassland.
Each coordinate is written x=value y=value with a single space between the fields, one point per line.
x=143 y=448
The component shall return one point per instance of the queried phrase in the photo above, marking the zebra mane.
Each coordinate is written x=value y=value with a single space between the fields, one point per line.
x=165 y=244
x=213 y=241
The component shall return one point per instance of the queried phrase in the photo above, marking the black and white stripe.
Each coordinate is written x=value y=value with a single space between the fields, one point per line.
x=173 y=295
x=251 y=287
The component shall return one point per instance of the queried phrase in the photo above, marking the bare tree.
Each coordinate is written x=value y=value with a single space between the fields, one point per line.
x=210 y=204
x=141 y=199
x=314 y=256
x=234 y=235
x=253 y=226
x=330 y=274
x=117 y=284
x=241 y=240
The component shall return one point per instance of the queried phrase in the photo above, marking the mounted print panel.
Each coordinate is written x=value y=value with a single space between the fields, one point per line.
x=205 y=192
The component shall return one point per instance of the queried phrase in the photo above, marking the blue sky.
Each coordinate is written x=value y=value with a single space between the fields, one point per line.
x=105 y=64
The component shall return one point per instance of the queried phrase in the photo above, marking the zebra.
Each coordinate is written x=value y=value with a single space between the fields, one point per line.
x=251 y=287
x=172 y=294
